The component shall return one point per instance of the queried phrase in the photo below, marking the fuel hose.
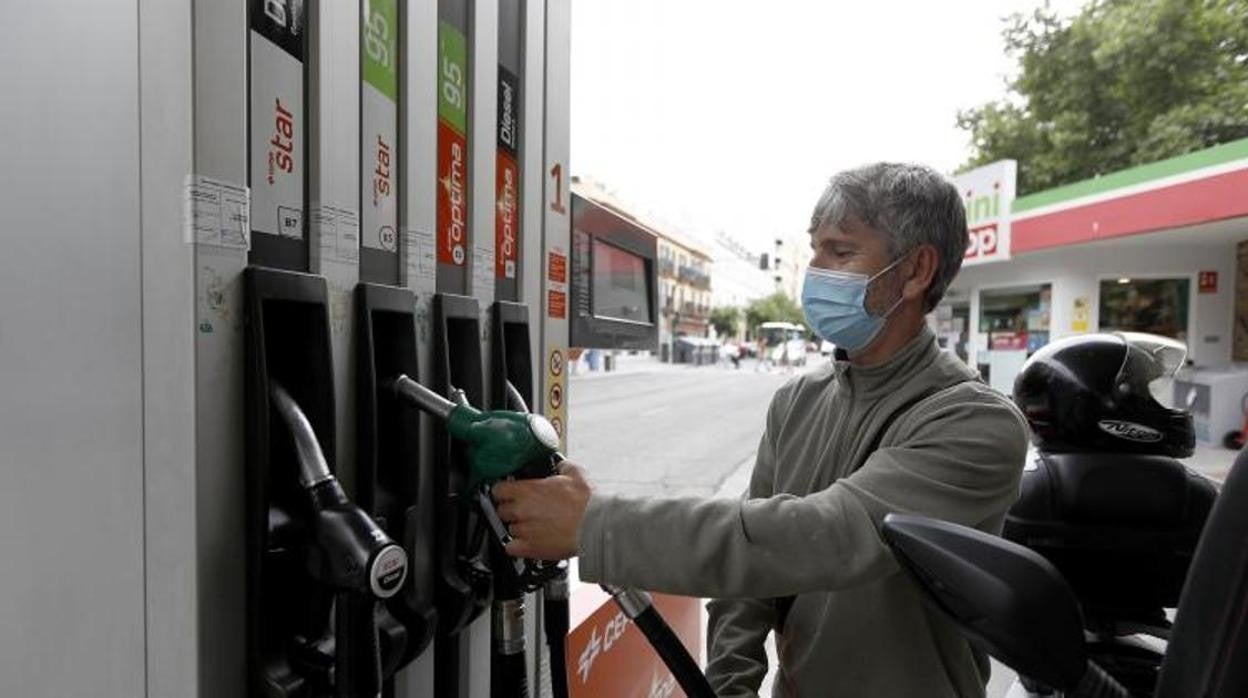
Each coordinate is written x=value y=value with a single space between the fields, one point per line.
x=638 y=607
x=555 y=620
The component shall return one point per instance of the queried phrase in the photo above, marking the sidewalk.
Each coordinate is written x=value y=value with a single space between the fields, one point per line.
x=630 y=364
x=1211 y=461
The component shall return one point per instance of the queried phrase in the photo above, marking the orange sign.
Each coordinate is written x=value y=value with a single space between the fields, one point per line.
x=558 y=304
x=558 y=268
x=1207 y=281
x=608 y=657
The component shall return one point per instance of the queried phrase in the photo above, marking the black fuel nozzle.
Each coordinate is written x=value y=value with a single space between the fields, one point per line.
x=350 y=551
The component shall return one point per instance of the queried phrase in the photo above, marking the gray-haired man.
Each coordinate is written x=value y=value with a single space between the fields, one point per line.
x=894 y=424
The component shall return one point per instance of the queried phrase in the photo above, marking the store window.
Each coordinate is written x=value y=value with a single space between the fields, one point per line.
x=1015 y=324
x=1156 y=306
x=951 y=323
x=1015 y=319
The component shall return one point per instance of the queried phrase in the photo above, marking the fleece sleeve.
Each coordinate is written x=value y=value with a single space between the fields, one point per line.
x=737 y=629
x=957 y=456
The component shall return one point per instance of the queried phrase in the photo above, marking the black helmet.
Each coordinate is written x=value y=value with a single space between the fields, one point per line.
x=1106 y=392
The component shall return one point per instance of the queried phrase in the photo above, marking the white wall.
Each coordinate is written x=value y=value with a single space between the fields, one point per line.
x=1076 y=272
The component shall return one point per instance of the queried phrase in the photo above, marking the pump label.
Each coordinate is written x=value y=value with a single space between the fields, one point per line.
x=506 y=220
x=379 y=125
x=452 y=196
x=507 y=178
x=388 y=571
x=452 y=145
x=278 y=122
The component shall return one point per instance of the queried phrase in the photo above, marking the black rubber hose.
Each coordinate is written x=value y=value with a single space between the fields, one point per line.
x=508 y=678
x=508 y=653
x=357 y=652
x=1096 y=683
x=673 y=653
x=555 y=620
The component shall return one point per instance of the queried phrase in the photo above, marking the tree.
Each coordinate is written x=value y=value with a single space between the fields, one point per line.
x=725 y=320
x=774 y=308
x=1125 y=82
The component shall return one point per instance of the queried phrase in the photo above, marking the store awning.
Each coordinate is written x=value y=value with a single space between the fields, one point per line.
x=1188 y=191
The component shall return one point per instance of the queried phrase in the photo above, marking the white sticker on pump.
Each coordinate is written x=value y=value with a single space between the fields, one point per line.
x=215 y=212
x=483 y=270
x=338 y=230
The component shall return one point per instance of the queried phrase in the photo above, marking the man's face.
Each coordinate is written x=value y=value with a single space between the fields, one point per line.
x=858 y=248
x=852 y=247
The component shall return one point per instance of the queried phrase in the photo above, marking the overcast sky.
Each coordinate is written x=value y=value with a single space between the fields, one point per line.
x=731 y=115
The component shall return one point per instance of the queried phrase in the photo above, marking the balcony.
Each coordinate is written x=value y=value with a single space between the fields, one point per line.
x=667 y=268
x=695 y=277
x=695 y=310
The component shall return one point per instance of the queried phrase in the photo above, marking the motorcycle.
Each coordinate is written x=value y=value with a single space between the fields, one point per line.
x=1110 y=530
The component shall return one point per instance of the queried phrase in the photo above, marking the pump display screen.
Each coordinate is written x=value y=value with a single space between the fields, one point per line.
x=620 y=290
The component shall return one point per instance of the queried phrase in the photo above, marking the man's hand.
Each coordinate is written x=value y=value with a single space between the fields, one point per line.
x=544 y=516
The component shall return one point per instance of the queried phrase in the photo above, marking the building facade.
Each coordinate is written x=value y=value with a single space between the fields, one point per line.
x=684 y=268
x=1160 y=248
x=739 y=277
x=787 y=263
x=684 y=287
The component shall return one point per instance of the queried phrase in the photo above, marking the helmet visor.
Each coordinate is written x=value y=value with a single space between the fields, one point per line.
x=1149 y=366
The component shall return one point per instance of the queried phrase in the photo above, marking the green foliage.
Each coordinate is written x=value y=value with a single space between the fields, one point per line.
x=726 y=320
x=1125 y=82
x=774 y=308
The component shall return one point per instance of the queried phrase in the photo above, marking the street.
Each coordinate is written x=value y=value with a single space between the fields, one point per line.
x=668 y=429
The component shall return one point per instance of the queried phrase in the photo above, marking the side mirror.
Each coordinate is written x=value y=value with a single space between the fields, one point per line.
x=1006 y=599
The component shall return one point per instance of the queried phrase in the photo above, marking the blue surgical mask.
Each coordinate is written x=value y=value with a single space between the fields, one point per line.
x=835 y=305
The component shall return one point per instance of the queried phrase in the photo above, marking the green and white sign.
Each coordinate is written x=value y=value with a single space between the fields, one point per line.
x=379 y=56
x=453 y=77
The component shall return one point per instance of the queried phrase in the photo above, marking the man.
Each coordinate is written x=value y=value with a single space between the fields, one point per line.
x=893 y=424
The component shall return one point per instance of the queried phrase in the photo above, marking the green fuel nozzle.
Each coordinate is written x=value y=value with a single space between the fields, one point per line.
x=500 y=442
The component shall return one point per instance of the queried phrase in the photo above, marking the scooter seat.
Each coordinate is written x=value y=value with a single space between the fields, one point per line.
x=1208 y=652
x=1008 y=601
x=1122 y=528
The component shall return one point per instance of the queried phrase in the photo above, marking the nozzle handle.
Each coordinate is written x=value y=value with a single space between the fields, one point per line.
x=420 y=396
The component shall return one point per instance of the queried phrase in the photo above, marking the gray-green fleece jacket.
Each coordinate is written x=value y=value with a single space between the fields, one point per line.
x=950 y=448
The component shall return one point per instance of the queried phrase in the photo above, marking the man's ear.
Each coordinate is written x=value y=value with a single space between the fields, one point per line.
x=922 y=272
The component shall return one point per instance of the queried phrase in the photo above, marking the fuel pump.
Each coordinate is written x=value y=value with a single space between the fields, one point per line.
x=366 y=148
x=394 y=484
x=317 y=564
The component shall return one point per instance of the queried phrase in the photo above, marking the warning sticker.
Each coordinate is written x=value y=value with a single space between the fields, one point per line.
x=557 y=284
x=556 y=363
x=558 y=267
x=557 y=304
